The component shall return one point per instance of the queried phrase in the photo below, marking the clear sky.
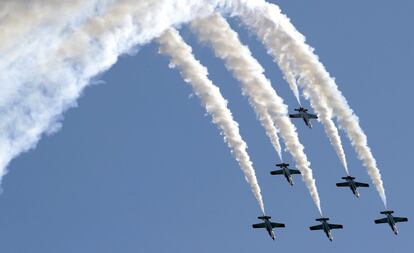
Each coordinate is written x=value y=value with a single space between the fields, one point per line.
x=139 y=167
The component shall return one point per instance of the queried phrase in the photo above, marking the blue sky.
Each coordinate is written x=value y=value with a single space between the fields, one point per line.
x=139 y=167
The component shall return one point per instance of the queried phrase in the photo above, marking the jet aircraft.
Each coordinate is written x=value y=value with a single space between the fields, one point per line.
x=391 y=220
x=352 y=185
x=268 y=225
x=303 y=113
x=326 y=227
x=285 y=171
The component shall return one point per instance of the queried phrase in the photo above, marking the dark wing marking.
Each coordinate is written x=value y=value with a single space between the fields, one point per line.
x=344 y=184
x=277 y=225
x=383 y=220
x=297 y=115
x=294 y=172
x=358 y=184
x=277 y=172
x=317 y=227
x=400 y=219
x=260 y=225
x=335 y=226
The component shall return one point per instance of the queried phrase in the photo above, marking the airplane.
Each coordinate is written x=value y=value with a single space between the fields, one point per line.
x=326 y=227
x=303 y=113
x=285 y=171
x=352 y=185
x=268 y=225
x=391 y=220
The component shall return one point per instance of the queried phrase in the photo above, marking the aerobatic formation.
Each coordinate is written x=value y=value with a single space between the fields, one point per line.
x=82 y=38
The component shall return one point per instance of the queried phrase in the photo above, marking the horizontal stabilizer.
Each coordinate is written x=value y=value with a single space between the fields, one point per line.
x=277 y=225
x=264 y=217
x=260 y=225
x=282 y=165
x=383 y=220
x=348 y=177
x=322 y=219
x=386 y=212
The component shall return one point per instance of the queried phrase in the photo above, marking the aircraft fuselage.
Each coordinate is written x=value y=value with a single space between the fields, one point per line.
x=288 y=176
x=270 y=229
x=353 y=187
x=327 y=230
x=391 y=222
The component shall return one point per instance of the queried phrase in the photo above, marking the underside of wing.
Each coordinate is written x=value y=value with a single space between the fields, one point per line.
x=383 y=220
x=358 y=184
x=297 y=115
x=344 y=184
x=277 y=225
x=294 y=171
x=277 y=172
x=260 y=225
x=317 y=227
x=335 y=226
x=400 y=219
x=313 y=116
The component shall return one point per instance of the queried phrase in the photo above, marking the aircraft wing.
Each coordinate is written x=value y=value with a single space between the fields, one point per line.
x=335 y=226
x=294 y=171
x=344 y=184
x=400 y=219
x=383 y=220
x=277 y=172
x=277 y=225
x=312 y=116
x=297 y=115
x=358 y=184
x=317 y=227
x=260 y=225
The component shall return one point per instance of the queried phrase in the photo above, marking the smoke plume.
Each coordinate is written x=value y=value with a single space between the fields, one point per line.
x=216 y=31
x=272 y=28
x=196 y=76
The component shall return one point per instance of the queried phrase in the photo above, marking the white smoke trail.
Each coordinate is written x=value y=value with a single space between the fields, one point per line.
x=320 y=106
x=196 y=75
x=233 y=64
x=238 y=58
x=51 y=49
x=267 y=21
